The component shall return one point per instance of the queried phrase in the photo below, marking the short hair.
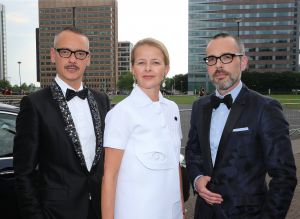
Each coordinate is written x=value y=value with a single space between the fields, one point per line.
x=236 y=39
x=71 y=29
x=151 y=42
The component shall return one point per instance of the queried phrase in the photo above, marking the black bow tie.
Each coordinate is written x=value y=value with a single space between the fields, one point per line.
x=71 y=93
x=215 y=101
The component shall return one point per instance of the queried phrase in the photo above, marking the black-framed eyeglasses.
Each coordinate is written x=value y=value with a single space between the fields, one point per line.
x=66 y=53
x=226 y=58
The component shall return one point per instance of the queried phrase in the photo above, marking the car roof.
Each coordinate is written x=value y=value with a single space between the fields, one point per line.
x=9 y=108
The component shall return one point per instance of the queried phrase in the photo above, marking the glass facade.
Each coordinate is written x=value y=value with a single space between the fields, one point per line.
x=97 y=19
x=269 y=29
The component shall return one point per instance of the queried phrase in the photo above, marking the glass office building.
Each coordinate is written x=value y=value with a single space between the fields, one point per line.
x=3 y=64
x=268 y=28
x=96 y=18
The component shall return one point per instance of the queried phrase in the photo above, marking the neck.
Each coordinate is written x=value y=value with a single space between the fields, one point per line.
x=153 y=94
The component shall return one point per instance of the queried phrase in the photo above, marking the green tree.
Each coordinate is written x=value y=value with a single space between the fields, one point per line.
x=181 y=82
x=5 y=84
x=125 y=82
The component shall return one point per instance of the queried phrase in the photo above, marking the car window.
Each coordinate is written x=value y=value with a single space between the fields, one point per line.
x=7 y=133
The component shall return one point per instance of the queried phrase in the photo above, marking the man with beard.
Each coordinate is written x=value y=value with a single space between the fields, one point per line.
x=58 y=150
x=236 y=138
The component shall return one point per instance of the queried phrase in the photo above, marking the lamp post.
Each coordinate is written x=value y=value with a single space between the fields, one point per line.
x=181 y=86
x=19 y=62
x=238 y=21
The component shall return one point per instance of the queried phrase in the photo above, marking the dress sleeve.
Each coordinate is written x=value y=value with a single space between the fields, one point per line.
x=117 y=129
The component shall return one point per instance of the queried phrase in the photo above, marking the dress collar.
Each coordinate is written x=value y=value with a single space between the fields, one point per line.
x=141 y=99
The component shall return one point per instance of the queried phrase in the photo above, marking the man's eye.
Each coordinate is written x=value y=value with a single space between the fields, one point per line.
x=64 y=51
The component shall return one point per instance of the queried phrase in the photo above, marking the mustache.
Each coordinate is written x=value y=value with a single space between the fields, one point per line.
x=218 y=71
x=72 y=66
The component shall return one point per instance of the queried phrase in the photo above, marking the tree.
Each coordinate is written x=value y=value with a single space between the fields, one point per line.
x=5 y=84
x=125 y=82
x=181 y=82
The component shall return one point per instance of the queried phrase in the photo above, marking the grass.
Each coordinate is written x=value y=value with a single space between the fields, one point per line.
x=189 y=99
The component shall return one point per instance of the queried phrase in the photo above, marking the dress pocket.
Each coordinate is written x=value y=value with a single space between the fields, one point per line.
x=155 y=157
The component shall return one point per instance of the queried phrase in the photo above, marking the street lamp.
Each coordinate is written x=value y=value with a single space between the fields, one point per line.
x=181 y=86
x=19 y=62
x=238 y=21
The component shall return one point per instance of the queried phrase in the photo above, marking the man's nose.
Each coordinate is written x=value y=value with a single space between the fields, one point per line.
x=72 y=58
x=219 y=64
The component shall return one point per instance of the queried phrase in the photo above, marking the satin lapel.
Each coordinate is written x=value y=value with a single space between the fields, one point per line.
x=234 y=115
x=97 y=126
x=204 y=133
x=69 y=123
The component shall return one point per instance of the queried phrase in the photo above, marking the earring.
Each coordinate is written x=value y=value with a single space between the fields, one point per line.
x=164 y=81
x=134 y=81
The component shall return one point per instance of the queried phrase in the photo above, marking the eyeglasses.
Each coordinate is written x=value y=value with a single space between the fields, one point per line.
x=66 y=53
x=225 y=58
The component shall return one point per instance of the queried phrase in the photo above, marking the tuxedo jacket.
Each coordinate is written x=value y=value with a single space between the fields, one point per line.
x=52 y=180
x=255 y=142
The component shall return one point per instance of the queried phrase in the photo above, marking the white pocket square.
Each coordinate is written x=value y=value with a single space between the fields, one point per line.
x=240 y=129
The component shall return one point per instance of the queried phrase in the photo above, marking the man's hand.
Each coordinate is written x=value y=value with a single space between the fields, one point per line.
x=210 y=197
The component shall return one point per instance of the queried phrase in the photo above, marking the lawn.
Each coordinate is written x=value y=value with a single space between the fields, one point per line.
x=189 y=99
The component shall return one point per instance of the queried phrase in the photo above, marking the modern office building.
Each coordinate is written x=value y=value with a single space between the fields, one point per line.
x=3 y=64
x=269 y=29
x=124 y=57
x=96 y=18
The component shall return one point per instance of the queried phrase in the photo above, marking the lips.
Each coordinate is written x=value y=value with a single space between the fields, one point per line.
x=148 y=77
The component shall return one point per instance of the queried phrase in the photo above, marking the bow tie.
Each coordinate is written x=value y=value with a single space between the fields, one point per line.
x=216 y=101
x=71 y=93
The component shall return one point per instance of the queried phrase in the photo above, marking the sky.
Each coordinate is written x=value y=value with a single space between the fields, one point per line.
x=165 y=20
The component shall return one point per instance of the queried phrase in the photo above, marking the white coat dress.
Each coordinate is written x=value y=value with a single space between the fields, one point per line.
x=150 y=134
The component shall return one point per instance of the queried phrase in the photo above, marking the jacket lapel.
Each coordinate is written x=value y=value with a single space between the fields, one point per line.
x=68 y=121
x=204 y=127
x=96 y=116
x=234 y=115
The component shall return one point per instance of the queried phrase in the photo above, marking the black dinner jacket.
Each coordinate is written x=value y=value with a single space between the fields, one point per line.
x=52 y=180
x=243 y=159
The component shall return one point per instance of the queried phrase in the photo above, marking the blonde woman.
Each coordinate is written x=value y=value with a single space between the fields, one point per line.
x=142 y=141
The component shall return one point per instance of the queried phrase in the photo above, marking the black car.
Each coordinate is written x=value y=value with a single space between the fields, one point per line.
x=8 y=203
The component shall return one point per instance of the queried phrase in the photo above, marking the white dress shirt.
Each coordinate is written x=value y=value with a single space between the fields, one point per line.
x=218 y=120
x=82 y=118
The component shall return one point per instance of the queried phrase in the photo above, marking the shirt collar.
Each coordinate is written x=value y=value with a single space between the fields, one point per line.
x=141 y=99
x=64 y=86
x=234 y=93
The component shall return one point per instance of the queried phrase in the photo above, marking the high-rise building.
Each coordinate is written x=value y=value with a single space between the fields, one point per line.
x=3 y=64
x=268 y=28
x=124 y=57
x=97 y=19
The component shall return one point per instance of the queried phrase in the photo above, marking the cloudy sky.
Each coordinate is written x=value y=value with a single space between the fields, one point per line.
x=166 y=20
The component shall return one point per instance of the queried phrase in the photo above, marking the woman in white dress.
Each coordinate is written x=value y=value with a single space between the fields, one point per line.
x=142 y=141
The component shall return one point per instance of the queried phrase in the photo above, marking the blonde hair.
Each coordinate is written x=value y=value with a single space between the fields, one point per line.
x=151 y=42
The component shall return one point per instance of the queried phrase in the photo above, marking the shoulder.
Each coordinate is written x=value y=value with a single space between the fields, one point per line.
x=259 y=99
x=101 y=98
x=39 y=96
x=202 y=101
x=171 y=104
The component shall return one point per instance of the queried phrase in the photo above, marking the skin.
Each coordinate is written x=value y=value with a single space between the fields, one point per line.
x=225 y=77
x=149 y=70
x=70 y=70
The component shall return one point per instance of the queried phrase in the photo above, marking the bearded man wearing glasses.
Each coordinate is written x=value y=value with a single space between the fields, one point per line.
x=58 y=154
x=238 y=136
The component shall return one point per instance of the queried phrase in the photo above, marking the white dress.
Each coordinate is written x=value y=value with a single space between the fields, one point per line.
x=150 y=134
